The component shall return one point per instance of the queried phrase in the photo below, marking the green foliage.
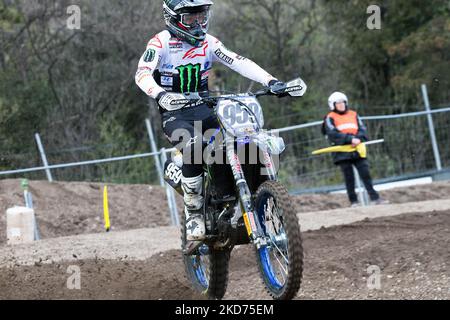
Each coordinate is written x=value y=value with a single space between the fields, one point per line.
x=423 y=57
x=388 y=66
x=23 y=109
x=76 y=87
x=9 y=16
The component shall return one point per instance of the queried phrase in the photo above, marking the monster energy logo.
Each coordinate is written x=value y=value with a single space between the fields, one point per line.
x=188 y=74
x=149 y=55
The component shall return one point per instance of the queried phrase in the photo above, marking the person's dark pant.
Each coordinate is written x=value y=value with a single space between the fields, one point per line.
x=186 y=129
x=362 y=165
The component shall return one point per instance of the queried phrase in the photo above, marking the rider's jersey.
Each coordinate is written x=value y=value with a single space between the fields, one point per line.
x=170 y=64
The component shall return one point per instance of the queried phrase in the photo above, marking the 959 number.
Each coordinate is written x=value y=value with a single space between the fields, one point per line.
x=173 y=173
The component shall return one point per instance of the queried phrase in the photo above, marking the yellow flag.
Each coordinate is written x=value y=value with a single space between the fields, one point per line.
x=361 y=149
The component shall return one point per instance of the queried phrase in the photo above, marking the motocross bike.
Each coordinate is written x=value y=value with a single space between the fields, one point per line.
x=243 y=202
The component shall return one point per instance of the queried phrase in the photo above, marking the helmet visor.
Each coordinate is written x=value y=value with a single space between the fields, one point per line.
x=190 y=20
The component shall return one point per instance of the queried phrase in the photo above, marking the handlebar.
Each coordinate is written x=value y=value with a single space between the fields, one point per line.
x=295 y=88
x=262 y=92
x=209 y=100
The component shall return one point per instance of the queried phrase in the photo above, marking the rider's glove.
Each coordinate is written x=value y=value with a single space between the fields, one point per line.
x=278 y=88
x=171 y=101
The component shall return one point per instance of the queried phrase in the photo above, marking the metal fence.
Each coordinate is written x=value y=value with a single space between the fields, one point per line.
x=408 y=150
x=416 y=144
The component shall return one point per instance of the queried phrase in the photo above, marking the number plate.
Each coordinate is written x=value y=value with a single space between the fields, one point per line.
x=237 y=119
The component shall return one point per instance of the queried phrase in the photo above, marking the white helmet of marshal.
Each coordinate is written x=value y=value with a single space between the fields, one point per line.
x=335 y=98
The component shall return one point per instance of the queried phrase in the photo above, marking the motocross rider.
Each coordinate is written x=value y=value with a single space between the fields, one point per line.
x=178 y=61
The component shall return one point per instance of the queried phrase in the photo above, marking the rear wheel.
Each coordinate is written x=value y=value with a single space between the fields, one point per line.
x=281 y=261
x=207 y=268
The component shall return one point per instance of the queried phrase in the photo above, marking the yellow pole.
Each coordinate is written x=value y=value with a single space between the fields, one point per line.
x=106 y=209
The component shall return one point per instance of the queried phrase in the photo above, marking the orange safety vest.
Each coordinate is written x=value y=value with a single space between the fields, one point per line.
x=346 y=123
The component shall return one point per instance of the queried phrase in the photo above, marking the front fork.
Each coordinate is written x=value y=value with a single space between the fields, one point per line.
x=252 y=223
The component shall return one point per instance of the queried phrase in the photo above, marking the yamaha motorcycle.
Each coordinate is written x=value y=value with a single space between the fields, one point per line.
x=244 y=203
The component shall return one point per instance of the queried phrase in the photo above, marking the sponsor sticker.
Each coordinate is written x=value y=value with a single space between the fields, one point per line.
x=144 y=69
x=205 y=75
x=247 y=224
x=223 y=56
x=175 y=45
x=189 y=77
x=167 y=66
x=149 y=55
x=197 y=52
x=166 y=81
x=235 y=164
x=142 y=72
x=252 y=220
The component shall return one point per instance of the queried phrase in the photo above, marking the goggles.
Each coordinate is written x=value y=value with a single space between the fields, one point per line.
x=190 y=20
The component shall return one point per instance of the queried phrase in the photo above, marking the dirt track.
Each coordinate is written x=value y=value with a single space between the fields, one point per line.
x=410 y=249
x=75 y=208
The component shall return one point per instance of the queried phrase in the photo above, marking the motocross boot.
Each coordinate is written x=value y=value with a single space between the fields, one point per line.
x=193 y=203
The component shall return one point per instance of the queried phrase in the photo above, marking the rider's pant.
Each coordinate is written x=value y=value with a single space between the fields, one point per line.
x=185 y=129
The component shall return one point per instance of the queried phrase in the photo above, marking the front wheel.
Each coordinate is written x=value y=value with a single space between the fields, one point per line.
x=281 y=260
x=206 y=268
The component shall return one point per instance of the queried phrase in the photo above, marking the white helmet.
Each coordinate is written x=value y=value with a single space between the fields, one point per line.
x=335 y=98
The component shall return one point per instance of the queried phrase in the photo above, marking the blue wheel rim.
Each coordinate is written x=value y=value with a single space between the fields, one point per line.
x=199 y=270
x=264 y=252
x=267 y=268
